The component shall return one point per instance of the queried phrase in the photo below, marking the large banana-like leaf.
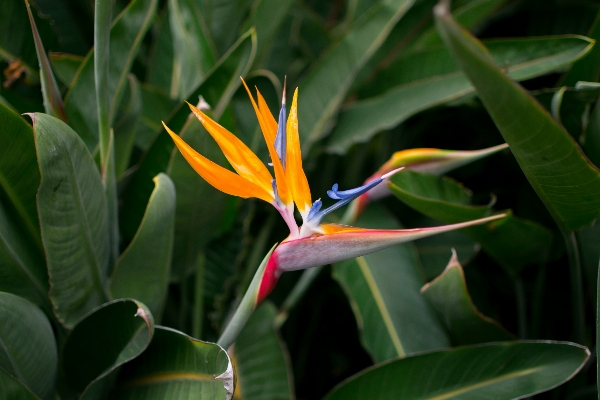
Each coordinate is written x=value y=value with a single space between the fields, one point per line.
x=261 y=359
x=429 y=78
x=567 y=183
x=73 y=218
x=176 y=366
x=28 y=350
x=105 y=339
x=465 y=324
x=394 y=322
x=325 y=87
x=512 y=370
x=142 y=271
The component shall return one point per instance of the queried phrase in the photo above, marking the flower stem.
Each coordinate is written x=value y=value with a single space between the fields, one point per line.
x=245 y=308
x=576 y=286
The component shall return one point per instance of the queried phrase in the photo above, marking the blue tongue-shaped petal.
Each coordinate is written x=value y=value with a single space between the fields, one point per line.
x=344 y=197
x=280 y=139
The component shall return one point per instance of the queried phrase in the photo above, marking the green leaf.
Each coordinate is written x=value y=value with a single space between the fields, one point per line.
x=105 y=339
x=53 y=103
x=325 y=87
x=126 y=36
x=142 y=271
x=511 y=241
x=425 y=79
x=468 y=15
x=262 y=361
x=27 y=347
x=394 y=323
x=217 y=90
x=126 y=125
x=562 y=177
x=65 y=66
x=588 y=68
x=175 y=366
x=434 y=250
x=201 y=208
x=73 y=218
x=19 y=173
x=11 y=388
x=193 y=55
x=499 y=370
x=449 y=296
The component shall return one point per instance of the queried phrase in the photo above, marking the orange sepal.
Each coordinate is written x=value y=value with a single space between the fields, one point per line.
x=241 y=158
x=295 y=175
x=280 y=176
x=219 y=177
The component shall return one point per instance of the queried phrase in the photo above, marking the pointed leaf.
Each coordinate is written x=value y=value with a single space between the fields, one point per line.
x=267 y=16
x=429 y=78
x=73 y=218
x=28 y=350
x=126 y=36
x=468 y=15
x=326 y=86
x=223 y=19
x=142 y=271
x=393 y=323
x=217 y=90
x=53 y=103
x=588 y=68
x=562 y=177
x=65 y=66
x=512 y=242
x=501 y=370
x=156 y=107
x=434 y=250
x=465 y=324
x=103 y=340
x=175 y=366
x=261 y=359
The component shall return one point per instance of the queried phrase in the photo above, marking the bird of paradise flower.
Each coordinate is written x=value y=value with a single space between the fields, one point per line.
x=311 y=244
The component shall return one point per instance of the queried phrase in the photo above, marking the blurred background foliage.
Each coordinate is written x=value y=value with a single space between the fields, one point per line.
x=374 y=78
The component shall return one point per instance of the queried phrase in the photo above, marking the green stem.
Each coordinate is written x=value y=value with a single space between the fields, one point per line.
x=521 y=308
x=198 y=313
x=576 y=286
x=102 y=21
x=307 y=278
x=245 y=308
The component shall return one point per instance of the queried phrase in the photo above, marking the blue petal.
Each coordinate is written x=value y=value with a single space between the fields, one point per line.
x=314 y=209
x=344 y=197
x=280 y=139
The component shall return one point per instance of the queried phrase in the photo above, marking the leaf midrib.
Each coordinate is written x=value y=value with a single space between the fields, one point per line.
x=381 y=306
